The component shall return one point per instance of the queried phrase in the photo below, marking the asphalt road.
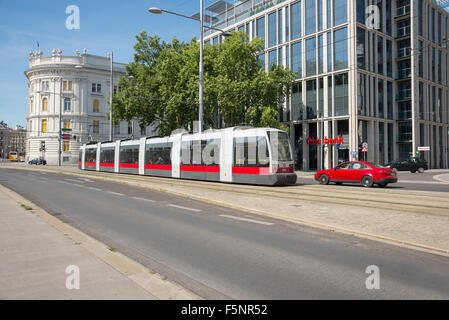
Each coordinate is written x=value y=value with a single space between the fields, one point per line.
x=407 y=181
x=222 y=253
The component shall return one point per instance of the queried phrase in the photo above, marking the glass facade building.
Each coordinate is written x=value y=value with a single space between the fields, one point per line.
x=373 y=71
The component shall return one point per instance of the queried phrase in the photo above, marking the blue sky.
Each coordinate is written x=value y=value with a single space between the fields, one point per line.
x=105 y=26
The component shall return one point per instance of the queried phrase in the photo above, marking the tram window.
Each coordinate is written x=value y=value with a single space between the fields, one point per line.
x=186 y=152
x=159 y=153
x=129 y=154
x=197 y=148
x=280 y=145
x=80 y=155
x=211 y=152
x=91 y=155
x=251 y=152
x=107 y=155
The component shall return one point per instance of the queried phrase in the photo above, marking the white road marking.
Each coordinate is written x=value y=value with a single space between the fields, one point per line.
x=87 y=180
x=43 y=172
x=77 y=181
x=143 y=199
x=93 y=188
x=185 y=208
x=247 y=220
x=77 y=185
x=115 y=193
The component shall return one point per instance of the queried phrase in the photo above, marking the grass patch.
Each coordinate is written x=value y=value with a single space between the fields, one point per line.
x=26 y=207
x=77 y=243
x=112 y=249
x=152 y=272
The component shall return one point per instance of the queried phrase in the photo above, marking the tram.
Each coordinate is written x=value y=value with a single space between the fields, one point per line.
x=247 y=155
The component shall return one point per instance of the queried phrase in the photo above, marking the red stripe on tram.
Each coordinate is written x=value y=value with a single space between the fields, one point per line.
x=251 y=170
x=103 y=164
x=129 y=165
x=214 y=169
x=90 y=164
x=158 y=166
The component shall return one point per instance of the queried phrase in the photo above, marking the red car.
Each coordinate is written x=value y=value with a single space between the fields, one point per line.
x=366 y=173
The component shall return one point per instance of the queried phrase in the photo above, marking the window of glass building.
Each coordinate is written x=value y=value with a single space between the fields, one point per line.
x=420 y=58
x=330 y=94
x=320 y=97
x=280 y=29
x=311 y=99
x=272 y=58
x=281 y=56
x=329 y=52
x=421 y=100
x=261 y=58
x=381 y=142
x=361 y=94
x=311 y=56
x=296 y=20
x=341 y=49
x=405 y=131
x=361 y=48
x=287 y=25
x=340 y=12
x=390 y=142
x=389 y=100
x=320 y=54
x=261 y=28
x=380 y=98
x=319 y=5
x=380 y=55
x=341 y=94
x=380 y=7
x=420 y=8
x=388 y=17
x=296 y=59
x=310 y=16
x=389 y=58
x=329 y=13
x=272 y=30
x=296 y=101
x=361 y=11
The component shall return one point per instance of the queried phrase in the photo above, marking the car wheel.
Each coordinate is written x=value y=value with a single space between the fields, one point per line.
x=412 y=171
x=324 y=179
x=367 y=182
x=382 y=185
x=421 y=170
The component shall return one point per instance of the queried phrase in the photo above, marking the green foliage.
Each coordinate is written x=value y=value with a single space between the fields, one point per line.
x=161 y=85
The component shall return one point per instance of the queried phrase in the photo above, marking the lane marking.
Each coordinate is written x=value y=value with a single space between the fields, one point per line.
x=247 y=220
x=115 y=193
x=185 y=208
x=77 y=181
x=87 y=180
x=77 y=185
x=93 y=188
x=43 y=172
x=143 y=199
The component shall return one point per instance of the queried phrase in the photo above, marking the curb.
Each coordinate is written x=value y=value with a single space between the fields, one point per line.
x=155 y=284
x=319 y=225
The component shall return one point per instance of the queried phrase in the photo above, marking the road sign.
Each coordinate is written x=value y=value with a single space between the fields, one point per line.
x=364 y=149
x=365 y=144
x=354 y=153
x=66 y=130
x=65 y=136
x=338 y=147
x=424 y=148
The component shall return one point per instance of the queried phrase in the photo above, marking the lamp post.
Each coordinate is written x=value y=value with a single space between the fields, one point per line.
x=201 y=20
x=111 y=80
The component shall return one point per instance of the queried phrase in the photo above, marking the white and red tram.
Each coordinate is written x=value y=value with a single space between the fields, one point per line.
x=246 y=155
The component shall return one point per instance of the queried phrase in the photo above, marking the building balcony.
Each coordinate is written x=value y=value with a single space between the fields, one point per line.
x=402 y=11
x=404 y=115
x=404 y=74
x=404 y=95
x=403 y=32
x=404 y=52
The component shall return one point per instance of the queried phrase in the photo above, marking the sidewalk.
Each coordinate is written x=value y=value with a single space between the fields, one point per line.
x=36 y=249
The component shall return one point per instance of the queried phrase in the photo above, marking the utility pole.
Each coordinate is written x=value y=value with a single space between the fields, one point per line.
x=200 y=124
x=60 y=120
x=111 y=56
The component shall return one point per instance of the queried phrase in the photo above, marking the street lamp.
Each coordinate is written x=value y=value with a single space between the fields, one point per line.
x=156 y=10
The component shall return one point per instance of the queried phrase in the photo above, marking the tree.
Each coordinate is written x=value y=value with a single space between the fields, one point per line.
x=161 y=86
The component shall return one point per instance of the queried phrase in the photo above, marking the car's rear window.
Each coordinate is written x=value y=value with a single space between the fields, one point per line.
x=375 y=165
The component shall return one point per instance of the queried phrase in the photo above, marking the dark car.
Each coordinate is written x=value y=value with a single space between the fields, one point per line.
x=365 y=173
x=411 y=164
x=37 y=161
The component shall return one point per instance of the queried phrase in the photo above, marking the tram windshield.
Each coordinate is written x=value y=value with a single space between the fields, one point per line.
x=280 y=146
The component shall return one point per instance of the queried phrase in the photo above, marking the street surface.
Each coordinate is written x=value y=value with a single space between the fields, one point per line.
x=222 y=253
